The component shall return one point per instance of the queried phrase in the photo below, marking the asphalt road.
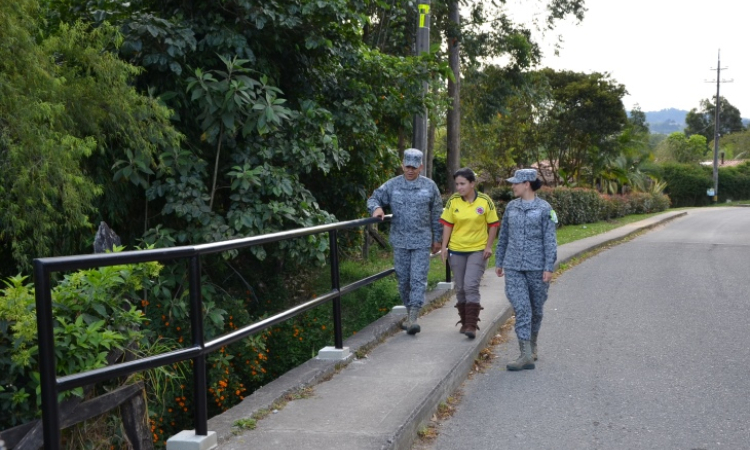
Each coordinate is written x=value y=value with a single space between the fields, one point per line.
x=644 y=346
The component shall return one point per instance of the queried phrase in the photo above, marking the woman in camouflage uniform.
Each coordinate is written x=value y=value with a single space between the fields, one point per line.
x=526 y=253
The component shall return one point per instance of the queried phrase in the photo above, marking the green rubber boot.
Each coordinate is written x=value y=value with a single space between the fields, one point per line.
x=407 y=321
x=534 y=336
x=525 y=361
x=414 y=327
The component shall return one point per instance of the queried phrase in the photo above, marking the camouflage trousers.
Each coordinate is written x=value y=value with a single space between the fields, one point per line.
x=527 y=293
x=411 y=266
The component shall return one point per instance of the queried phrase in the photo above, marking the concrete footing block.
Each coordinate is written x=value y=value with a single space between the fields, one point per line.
x=333 y=353
x=188 y=440
x=444 y=286
x=399 y=310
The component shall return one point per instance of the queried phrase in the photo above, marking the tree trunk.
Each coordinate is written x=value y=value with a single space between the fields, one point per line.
x=401 y=147
x=430 y=155
x=453 y=159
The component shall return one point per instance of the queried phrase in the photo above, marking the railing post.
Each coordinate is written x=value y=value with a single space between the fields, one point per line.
x=200 y=394
x=47 y=370
x=447 y=271
x=338 y=334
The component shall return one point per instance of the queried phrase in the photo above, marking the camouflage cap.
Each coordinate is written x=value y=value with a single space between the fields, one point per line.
x=412 y=157
x=523 y=175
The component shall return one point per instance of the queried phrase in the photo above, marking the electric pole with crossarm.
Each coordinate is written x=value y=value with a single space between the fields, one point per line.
x=717 y=116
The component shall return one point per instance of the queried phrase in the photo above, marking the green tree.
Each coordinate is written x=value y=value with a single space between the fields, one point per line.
x=67 y=114
x=702 y=120
x=500 y=130
x=736 y=145
x=682 y=149
x=586 y=115
x=631 y=168
x=637 y=120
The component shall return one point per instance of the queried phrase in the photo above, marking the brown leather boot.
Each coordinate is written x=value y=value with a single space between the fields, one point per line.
x=471 y=319
x=462 y=315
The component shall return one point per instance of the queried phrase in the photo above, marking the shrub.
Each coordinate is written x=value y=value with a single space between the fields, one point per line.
x=95 y=311
x=687 y=184
x=578 y=205
x=734 y=182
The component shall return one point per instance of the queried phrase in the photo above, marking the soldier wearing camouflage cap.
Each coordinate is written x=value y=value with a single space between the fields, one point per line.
x=416 y=205
x=525 y=254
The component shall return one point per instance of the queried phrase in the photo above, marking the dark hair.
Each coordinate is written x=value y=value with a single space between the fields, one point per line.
x=536 y=184
x=466 y=173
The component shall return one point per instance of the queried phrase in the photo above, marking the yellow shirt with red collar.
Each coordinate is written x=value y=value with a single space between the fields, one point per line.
x=469 y=221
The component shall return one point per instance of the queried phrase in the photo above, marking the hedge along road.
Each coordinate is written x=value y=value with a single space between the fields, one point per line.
x=643 y=346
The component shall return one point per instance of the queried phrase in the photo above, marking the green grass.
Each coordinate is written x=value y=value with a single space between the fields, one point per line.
x=355 y=268
x=245 y=424
x=570 y=233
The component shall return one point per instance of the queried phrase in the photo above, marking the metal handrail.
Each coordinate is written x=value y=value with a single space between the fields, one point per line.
x=51 y=385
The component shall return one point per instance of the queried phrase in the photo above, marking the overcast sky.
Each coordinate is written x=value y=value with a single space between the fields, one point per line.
x=663 y=51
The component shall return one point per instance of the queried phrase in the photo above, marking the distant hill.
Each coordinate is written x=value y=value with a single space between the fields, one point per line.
x=666 y=121
x=669 y=120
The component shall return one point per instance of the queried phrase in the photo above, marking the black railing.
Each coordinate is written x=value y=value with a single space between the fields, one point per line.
x=51 y=385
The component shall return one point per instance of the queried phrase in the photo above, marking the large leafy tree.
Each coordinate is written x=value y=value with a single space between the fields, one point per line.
x=680 y=148
x=500 y=130
x=702 y=120
x=483 y=32
x=586 y=116
x=275 y=103
x=631 y=166
x=67 y=113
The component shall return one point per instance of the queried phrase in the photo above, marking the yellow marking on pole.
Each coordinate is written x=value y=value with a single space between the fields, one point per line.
x=423 y=11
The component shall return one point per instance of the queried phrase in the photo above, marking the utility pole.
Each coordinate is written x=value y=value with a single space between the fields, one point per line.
x=419 y=139
x=717 y=117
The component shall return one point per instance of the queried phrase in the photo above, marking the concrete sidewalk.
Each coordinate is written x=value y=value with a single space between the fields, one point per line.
x=379 y=401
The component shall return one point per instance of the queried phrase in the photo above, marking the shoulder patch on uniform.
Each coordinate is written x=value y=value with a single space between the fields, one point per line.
x=553 y=216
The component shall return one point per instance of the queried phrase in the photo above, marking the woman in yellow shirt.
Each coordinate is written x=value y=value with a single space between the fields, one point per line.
x=470 y=224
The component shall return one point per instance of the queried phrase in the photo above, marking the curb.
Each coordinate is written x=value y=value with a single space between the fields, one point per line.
x=653 y=222
x=312 y=371
x=405 y=436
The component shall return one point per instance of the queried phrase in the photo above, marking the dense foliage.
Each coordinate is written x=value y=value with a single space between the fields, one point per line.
x=687 y=184
x=681 y=149
x=95 y=312
x=67 y=114
x=580 y=205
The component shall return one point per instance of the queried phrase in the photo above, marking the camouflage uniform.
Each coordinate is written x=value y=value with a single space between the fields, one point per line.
x=416 y=206
x=526 y=247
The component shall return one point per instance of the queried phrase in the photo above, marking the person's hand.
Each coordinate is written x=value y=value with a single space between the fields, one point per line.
x=379 y=213
x=487 y=253
x=499 y=271
x=546 y=276
x=436 y=247
x=444 y=254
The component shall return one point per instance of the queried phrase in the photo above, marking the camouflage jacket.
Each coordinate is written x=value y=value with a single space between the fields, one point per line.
x=416 y=207
x=528 y=239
